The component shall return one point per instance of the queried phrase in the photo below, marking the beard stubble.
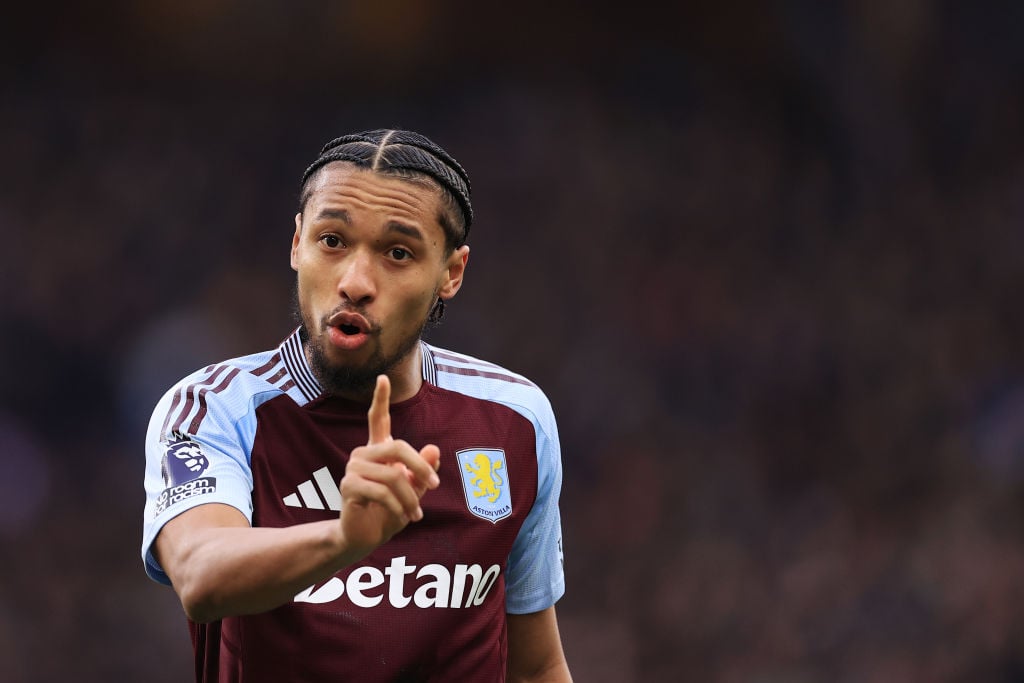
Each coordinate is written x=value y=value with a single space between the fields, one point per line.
x=355 y=382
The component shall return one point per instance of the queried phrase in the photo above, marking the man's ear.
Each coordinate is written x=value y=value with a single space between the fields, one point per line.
x=455 y=272
x=295 y=241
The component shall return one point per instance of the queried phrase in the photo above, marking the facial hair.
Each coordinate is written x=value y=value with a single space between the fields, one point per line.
x=355 y=382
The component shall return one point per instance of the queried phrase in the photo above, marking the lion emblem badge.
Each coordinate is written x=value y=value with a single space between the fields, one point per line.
x=485 y=483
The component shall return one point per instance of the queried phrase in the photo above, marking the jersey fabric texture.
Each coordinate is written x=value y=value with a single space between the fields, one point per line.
x=256 y=433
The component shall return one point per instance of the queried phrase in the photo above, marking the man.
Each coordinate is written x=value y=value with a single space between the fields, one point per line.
x=438 y=557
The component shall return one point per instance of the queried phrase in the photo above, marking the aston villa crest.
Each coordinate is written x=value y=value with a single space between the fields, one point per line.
x=485 y=483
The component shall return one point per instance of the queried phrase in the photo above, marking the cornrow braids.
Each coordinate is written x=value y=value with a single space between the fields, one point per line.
x=404 y=154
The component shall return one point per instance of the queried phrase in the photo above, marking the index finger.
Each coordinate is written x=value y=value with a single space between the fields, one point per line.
x=380 y=413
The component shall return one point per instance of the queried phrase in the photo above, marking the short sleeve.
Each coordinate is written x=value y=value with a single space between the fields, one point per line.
x=535 y=578
x=198 y=448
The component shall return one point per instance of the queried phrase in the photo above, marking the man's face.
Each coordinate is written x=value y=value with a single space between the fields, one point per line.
x=370 y=256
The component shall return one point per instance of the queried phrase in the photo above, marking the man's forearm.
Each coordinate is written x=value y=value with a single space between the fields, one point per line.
x=226 y=571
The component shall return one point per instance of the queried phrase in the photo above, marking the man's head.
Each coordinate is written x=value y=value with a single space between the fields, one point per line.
x=379 y=244
x=404 y=154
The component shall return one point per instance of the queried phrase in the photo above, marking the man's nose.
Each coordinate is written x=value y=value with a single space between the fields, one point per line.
x=356 y=282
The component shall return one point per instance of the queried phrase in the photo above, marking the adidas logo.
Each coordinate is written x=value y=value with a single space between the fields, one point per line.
x=316 y=492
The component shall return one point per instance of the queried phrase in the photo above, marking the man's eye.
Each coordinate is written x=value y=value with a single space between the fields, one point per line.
x=331 y=241
x=400 y=254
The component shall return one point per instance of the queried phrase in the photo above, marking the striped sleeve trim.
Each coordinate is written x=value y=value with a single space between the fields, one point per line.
x=189 y=405
x=193 y=398
x=471 y=367
x=298 y=368
x=273 y=372
x=473 y=372
x=459 y=358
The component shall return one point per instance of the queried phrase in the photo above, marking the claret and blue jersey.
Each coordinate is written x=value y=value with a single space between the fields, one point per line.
x=256 y=433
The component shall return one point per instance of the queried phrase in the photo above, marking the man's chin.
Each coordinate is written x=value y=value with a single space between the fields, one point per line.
x=344 y=373
x=354 y=383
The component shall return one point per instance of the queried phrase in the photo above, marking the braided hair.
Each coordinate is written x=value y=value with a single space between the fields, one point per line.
x=409 y=155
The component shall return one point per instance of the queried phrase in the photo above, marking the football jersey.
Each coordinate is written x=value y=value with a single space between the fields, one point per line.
x=258 y=434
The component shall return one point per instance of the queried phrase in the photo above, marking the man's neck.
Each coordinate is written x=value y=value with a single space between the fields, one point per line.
x=407 y=376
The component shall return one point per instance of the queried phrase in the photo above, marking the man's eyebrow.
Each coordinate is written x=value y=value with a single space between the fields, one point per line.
x=407 y=230
x=334 y=214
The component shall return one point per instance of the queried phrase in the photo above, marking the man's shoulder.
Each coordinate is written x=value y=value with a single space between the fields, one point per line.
x=483 y=379
x=231 y=387
x=251 y=370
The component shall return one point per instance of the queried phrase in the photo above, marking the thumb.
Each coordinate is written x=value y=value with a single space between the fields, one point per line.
x=432 y=454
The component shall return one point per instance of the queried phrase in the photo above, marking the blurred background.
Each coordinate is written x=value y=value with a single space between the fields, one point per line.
x=766 y=259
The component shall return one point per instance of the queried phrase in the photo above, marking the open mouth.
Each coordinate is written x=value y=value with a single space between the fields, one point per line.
x=348 y=331
x=349 y=324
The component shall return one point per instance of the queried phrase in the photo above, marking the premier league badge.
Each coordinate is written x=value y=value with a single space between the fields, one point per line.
x=183 y=464
x=183 y=460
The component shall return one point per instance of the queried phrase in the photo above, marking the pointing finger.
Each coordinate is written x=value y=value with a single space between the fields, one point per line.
x=380 y=412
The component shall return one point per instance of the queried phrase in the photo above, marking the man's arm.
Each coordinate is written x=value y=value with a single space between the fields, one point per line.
x=220 y=566
x=535 y=648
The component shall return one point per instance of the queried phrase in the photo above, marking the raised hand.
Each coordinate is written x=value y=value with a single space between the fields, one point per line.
x=384 y=480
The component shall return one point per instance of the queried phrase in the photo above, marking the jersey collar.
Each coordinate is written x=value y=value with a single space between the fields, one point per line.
x=298 y=366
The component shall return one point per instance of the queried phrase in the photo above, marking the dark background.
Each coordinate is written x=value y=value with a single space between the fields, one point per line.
x=765 y=258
